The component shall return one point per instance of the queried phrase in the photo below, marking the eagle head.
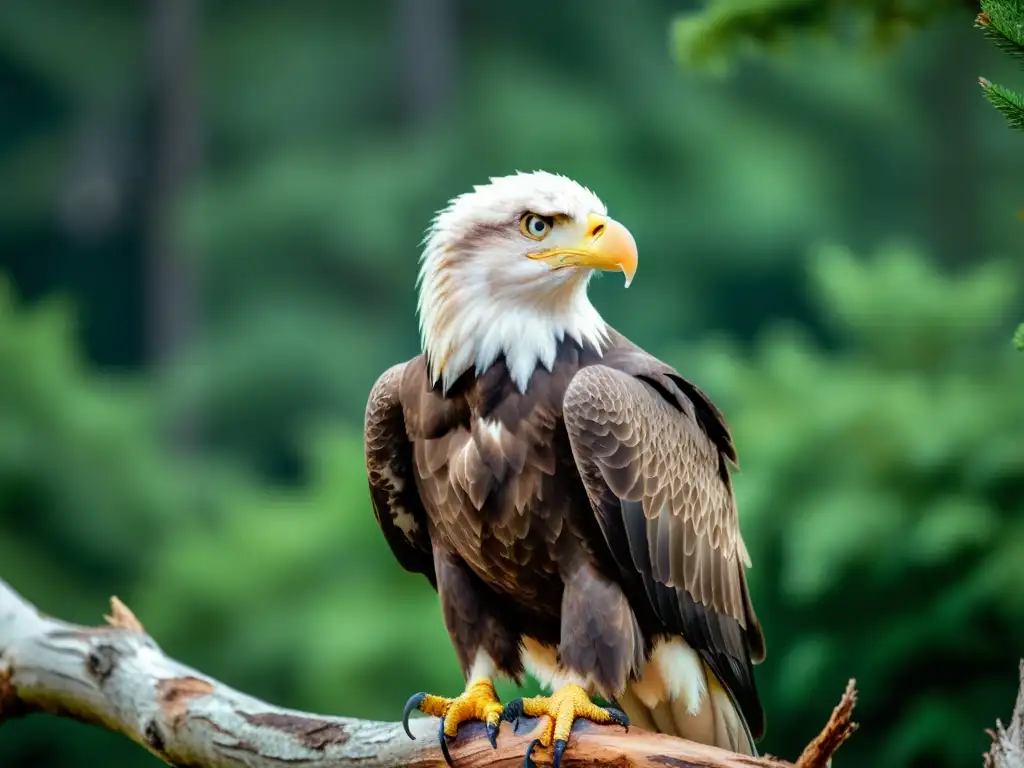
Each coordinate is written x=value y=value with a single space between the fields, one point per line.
x=504 y=271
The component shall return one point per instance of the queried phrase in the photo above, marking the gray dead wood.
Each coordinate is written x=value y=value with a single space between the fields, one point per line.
x=1007 y=749
x=116 y=676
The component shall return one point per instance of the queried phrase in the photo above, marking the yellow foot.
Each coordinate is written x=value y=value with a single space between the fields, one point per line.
x=478 y=702
x=563 y=707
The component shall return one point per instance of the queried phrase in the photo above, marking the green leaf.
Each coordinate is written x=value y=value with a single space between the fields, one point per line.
x=1018 y=337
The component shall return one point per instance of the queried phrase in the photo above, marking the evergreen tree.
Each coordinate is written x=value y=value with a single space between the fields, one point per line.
x=711 y=37
x=319 y=172
x=1003 y=24
x=880 y=494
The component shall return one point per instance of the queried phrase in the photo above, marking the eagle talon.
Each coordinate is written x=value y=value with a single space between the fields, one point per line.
x=413 y=703
x=443 y=738
x=527 y=762
x=512 y=712
x=477 y=702
x=618 y=716
x=492 y=735
x=562 y=708
x=560 y=746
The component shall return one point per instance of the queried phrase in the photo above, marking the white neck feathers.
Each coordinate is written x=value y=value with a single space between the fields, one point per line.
x=470 y=316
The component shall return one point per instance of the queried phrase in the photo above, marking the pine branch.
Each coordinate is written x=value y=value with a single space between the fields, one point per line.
x=712 y=37
x=1010 y=104
x=998 y=37
x=116 y=677
x=1002 y=21
x=1007 y=18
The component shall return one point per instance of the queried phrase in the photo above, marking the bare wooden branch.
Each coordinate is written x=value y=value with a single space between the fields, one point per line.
x=116 y=676
x=839 y=728
x=122 y=617
x=1007 y=750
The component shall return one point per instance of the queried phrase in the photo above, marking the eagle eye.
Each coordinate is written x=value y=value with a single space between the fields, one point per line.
x=534 y=226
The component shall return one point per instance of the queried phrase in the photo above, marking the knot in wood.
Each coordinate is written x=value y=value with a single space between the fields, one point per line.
x=153 y=737
x=101 y=661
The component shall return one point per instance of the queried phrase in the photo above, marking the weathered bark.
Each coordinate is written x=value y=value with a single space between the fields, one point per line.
x=117 y=677
x=1007 y=749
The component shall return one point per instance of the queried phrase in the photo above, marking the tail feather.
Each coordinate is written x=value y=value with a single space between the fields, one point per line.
x=639 y=715
x=664 y=719
x=679 y=695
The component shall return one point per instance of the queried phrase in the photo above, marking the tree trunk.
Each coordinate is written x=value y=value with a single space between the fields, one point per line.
x=426 y=40
x=171 y=288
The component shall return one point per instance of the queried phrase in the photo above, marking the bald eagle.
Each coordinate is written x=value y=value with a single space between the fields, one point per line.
x=566 y=493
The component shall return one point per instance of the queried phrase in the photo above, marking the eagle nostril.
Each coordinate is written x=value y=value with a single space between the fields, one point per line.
x=596 y=231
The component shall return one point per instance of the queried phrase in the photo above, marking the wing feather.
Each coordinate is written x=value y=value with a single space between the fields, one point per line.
x=652 y=452
x=389 y=469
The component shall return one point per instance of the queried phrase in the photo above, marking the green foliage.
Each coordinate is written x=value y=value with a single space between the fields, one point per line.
x=712 y=37
x=1003 y=24
x=292 y=594
x=307 y=250
x=319 y=174
x=86 y=495
x=881 y=496
x=73 y=441
x=1010 y=104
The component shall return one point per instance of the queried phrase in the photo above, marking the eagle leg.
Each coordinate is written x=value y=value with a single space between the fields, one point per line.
x=478 y=702
x=563 y=708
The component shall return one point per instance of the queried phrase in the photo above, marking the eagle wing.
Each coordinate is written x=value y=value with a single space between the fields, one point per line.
x=652 y=449
x=389 y=469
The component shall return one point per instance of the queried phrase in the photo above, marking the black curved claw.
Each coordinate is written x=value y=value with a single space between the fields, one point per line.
x=512 y=712
x=492 y=735
x=527 y=762
x=619 y=717
x=444 y=744
x=559 y=749
x=413 y=703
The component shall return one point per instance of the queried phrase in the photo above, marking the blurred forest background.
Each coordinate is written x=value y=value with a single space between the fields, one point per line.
x=209 y=225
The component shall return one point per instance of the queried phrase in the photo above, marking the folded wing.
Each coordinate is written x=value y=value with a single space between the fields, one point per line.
x=652 y=451
x=393 y=492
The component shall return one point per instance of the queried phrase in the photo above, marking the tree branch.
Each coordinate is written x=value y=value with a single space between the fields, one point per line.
x=116 y=676
x=1007 y=749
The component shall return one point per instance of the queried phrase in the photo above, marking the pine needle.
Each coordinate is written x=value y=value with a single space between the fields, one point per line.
x=999 y=38
x=1006 y=101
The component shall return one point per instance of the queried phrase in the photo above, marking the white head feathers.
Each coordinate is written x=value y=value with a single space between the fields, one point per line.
x=482 y=295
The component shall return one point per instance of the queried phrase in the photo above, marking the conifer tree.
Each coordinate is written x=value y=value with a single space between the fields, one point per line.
x=1003 y=23
x=714 y=35
x=711 y=37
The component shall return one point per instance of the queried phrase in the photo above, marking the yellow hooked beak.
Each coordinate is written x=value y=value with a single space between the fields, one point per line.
x=606 y=245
